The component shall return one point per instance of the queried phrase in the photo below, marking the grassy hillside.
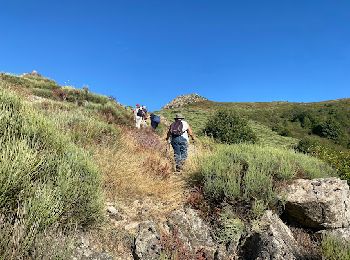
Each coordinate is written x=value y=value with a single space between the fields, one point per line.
x=66 y=152
x=321 y=129
x=295 y=120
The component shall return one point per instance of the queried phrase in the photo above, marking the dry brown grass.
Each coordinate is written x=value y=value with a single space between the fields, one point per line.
x=134 y=172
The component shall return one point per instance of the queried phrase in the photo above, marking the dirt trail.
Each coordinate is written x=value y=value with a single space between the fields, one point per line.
x=134 y=195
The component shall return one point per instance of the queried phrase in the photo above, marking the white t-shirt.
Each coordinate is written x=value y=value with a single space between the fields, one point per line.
x=185 y=127
x=135 y=112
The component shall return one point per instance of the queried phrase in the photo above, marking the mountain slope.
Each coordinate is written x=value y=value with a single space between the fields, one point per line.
x=132 y=170
x=297 y=120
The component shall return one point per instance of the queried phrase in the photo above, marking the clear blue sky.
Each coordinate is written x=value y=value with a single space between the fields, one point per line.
x=150 y=51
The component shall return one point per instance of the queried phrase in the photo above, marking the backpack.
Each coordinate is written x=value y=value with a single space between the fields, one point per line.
x=176 y=128
x=156 y=119
x=144 y=113
x=140 y=113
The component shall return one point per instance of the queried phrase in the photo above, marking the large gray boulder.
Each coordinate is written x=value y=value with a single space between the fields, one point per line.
x=274 y=241
x=184 y=235
x=318 y=203
x=147 y=245
x=194 y=234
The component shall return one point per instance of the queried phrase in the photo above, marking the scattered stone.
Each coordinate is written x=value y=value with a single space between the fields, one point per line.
x=318 y=203
x=114 y=213
x=85 y=252
x=132 y=226
x=274 y=241
x=147 y=242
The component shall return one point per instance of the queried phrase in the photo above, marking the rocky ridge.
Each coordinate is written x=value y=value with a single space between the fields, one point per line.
x=183 y=100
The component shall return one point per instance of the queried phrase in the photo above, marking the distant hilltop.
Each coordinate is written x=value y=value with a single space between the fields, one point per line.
x=183 y=100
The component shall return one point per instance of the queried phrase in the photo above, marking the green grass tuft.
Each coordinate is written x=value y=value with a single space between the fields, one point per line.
x=43 y=174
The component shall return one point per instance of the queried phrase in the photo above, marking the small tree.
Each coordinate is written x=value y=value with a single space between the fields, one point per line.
x=330 y=129
x=226 y=126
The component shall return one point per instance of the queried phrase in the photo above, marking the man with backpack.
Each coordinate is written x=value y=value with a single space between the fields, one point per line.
x=155 y=120
x=144 y=115
x=138 y=115
x=179 y=132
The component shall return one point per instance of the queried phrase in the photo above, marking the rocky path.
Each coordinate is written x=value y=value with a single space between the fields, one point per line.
x=114 y=240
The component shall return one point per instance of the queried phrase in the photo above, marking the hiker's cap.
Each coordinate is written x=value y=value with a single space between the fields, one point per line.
x=137 y=105
x=179 y=116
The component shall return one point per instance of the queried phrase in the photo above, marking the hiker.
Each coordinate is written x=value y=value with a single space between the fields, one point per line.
x=138 y=116
x=155 y=120
x=144 y=116
x=179 y=131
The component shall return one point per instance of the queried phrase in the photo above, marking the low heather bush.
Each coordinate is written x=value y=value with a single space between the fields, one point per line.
x=251 y=172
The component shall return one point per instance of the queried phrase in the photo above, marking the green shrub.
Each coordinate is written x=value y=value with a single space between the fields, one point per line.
x=229 y=229
x=98 y=99
x=330 y=129
x=339 y=160
x=45 y=93
x=335 y=248
x=282 y=130
x=227 y=127
x=85 y=128
x=246 y=172
x=115 y=114
x=43 y=174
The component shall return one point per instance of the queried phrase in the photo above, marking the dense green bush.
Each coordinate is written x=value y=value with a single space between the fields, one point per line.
x=330 y=129
x=282 y=130
x=339 y=160
x=246 y=172
x=45 y=179
x=226 y=126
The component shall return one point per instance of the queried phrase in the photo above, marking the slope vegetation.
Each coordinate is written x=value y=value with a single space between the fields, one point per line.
x=67 y=153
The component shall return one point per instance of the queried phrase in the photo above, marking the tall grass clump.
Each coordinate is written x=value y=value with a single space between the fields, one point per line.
x=334 y=248
x=45 y=180
x=226 y=126
x=247 y=172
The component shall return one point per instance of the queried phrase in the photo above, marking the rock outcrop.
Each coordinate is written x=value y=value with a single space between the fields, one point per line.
x=183 y=100
x=147 y=245
x=318 y=203
x=274 y=241
x=184 y=231
x=194 y=233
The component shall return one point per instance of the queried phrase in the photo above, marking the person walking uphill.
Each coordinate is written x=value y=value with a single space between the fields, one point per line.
x=155 y=120
x=138 y=116
x=179 y=132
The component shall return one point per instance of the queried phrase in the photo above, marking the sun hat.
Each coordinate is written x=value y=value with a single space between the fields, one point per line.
x=179 y=116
